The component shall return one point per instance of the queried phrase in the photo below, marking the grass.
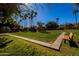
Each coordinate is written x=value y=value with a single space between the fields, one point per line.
x=25 y=48
x=45 y=37
x=19 y=47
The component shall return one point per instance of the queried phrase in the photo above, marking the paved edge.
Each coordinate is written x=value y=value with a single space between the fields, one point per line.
x=55 y=45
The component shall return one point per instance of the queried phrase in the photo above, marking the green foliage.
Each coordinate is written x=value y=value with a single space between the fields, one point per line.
x=10 y=11
x=51 y=25
x=27 y=14
x=7 y=22
x=41 y=27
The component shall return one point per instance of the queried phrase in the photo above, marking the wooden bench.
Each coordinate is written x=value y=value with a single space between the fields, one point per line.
x=68 y=37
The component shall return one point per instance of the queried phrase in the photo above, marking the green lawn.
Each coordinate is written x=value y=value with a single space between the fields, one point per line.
x=45 y=37
x=25 y=48
x=22 y=47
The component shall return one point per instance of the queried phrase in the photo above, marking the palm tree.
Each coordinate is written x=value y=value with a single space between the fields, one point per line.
x=75 y=13
x=57 y=20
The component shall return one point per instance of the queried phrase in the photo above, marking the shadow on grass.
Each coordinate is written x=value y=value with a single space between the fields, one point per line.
x=73 y=44
x=4 y=43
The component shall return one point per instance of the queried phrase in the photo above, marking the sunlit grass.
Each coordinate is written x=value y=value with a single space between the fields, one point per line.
x=22 y=47
x=45 y=37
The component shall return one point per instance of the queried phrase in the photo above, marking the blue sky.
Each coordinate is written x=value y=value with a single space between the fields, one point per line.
x=51 y=11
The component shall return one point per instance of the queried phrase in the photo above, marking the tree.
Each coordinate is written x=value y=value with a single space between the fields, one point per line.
x=57 y=20
x=41 y=27
x=31 y=15
x=51 y=25
x=75 y=13
x=28 y=14
x=6 y=12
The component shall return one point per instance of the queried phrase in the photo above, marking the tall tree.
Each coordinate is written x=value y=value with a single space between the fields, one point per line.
x=6 y=12
x=7 y=9
x=75 y=13
x=27 y=14
x=41 y=26
x=57 y=20
x=51 y=25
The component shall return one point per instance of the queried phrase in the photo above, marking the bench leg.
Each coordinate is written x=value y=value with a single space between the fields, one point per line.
x=64 y=41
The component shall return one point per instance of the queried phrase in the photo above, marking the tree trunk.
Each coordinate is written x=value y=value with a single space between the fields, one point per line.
x=76 y=18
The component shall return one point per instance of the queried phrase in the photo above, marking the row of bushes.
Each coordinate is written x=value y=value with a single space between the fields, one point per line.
x=40 y=28
x=69 y=26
